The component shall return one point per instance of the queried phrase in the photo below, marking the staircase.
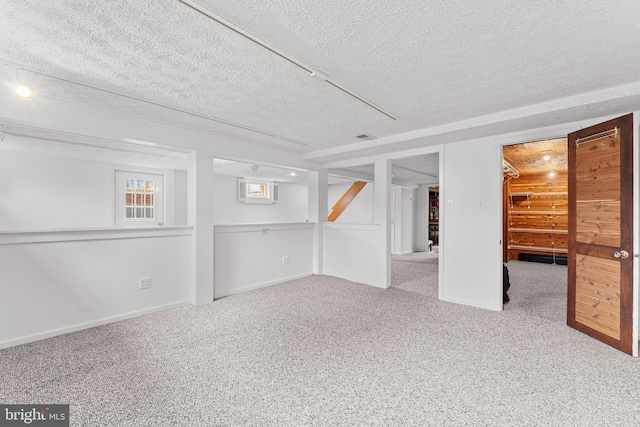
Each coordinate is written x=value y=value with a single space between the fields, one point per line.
x=345 y=200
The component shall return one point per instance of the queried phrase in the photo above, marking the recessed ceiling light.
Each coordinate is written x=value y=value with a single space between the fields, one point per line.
x=24 y=91
x=292 y=174
x=552 y=174
x=547 y=157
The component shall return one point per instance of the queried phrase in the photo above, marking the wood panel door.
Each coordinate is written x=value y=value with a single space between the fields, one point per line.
x=600 y=282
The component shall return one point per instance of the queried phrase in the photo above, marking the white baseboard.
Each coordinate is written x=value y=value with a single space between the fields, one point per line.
x=80 y=326
x=462 y=301
x=259 y=285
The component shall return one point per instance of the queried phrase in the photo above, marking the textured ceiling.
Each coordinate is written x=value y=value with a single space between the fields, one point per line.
x=428 y=64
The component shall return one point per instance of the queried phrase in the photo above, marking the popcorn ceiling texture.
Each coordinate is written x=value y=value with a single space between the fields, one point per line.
x=323 y=351
x=428 y=63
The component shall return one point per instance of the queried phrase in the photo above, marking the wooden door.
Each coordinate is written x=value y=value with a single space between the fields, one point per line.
x=600 y=283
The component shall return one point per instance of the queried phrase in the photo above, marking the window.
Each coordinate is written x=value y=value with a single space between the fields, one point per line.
x=258 y=191
x=138 y=199
x=253 y=191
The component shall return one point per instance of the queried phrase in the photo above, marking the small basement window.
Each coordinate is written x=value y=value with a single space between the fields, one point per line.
x=139 y=201
x=254 y=191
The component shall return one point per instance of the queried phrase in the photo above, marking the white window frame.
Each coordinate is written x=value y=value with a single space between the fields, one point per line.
x=120 y=205
x=270 y=191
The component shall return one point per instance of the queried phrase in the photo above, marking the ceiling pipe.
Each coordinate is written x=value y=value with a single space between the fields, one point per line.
x=316 y=74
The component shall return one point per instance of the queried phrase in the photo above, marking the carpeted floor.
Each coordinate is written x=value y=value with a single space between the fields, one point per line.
x=322 y=351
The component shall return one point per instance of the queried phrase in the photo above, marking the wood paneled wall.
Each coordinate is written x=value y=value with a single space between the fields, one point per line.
x=536 y=215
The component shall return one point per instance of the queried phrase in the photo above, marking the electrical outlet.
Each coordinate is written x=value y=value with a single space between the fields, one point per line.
x=285 y=259
x=144 y=282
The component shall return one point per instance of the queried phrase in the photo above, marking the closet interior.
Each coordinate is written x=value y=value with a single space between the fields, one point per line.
x=535 y=201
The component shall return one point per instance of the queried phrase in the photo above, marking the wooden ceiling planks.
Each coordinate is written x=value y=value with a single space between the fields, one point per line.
x=528 y=158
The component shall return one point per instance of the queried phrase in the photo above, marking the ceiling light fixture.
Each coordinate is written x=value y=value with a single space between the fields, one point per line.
x=316 y=74
x=546 y=157
x=292 y=174
x=552 y=174
x=24 y=91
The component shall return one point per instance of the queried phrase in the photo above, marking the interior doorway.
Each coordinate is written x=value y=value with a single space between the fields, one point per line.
x=535 y=214
x=415 y=214
x=433 y=242
x=535 y=198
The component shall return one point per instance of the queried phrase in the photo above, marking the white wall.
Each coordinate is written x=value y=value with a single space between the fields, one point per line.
x=58 y=282
x=403 y=214
x=251 y=256
x=44 y=192
x=292 y=205
x=422 y=218
x=360 y=210
x=360 y=252
x=54 y=281
x=354 y=252
x=396 y=220
x=180 y=198
x=408 y=216
x=39 y=192
x=470 y=224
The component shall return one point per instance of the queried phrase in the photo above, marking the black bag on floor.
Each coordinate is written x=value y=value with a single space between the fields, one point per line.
x=505 y=284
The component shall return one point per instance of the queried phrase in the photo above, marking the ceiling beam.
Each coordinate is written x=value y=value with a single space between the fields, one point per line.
x=579 y=107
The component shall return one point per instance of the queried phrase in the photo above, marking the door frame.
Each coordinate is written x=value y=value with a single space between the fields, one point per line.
x=561 y=131
x=636 y=232
x=396 y=220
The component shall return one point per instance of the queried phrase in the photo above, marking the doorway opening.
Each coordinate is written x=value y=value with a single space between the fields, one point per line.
x=434 y=220
x=535 y=224
x=415 y=215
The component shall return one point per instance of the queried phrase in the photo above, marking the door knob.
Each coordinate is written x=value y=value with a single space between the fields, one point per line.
x=621 y=254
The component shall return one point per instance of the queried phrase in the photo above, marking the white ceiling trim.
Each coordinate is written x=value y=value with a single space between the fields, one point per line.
x=127 y=145
x=572 y=102
x=406 y=169
x=405 y=184
x=351 y=174
x=156 y=104
x=396 y=155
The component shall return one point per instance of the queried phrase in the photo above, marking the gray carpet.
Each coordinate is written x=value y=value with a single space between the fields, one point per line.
x=323 y=351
